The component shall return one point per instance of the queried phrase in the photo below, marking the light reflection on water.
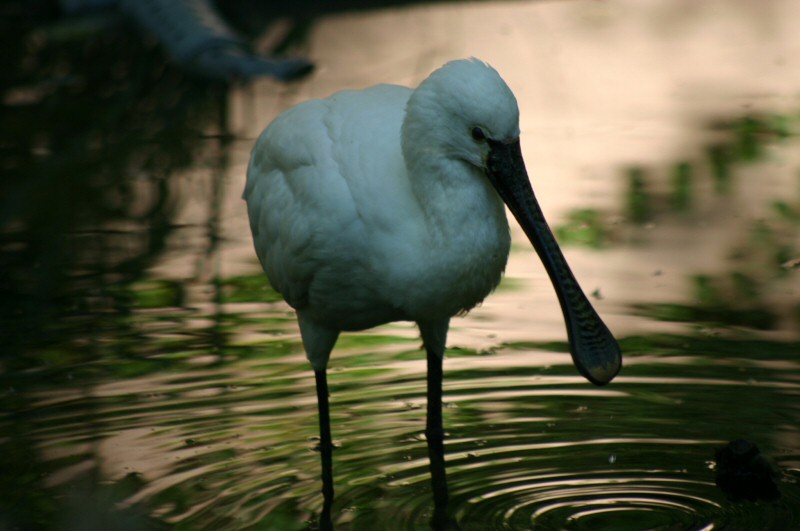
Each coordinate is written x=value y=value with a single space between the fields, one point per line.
x=230 y=444
x=176 y=391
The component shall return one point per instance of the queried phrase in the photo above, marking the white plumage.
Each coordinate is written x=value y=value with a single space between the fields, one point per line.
x=360 y=219
x=386 y=204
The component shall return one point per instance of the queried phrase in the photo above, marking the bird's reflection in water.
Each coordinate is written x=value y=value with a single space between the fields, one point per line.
x=442 y=518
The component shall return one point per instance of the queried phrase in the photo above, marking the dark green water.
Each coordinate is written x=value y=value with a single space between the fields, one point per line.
x=150 y=379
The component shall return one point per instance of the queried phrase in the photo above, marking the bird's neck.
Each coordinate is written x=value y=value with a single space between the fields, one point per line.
x=466 y=239
x=457 y=199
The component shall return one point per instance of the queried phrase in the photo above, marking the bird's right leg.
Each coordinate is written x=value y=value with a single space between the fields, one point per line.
x=434 y=430
x=434 y=336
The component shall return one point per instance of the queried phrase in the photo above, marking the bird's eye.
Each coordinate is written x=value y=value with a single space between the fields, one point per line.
x=478 y=134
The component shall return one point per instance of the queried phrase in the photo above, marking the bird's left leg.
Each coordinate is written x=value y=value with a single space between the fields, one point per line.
x=318 y=341
x=325 y=440
x=434 y=336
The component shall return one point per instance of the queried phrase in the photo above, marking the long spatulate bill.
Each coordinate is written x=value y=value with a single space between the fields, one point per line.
x=594 y=349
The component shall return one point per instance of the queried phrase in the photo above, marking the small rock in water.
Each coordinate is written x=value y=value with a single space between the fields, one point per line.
x=743 y=473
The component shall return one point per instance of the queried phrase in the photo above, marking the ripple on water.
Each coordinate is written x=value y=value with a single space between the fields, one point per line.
x=232 y=445
x=509 y=469
x=566 y=487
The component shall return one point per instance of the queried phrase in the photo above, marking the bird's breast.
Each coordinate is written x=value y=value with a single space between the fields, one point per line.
x=456 y=269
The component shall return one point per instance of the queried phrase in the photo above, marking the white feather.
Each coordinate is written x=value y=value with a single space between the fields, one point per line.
x=372 y=206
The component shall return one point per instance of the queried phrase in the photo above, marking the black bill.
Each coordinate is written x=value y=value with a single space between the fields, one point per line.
x=594 y=350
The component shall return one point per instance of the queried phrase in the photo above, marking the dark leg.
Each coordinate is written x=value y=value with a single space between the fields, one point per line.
x=434 y=430
x=325 y=443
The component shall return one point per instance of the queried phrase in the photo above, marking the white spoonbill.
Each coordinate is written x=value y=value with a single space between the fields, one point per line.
x=386 y=204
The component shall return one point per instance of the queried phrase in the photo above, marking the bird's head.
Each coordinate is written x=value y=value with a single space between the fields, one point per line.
x=465 y=112
x=459 y=110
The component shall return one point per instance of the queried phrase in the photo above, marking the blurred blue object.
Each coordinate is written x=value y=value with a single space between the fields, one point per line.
x=73 y=7
x=197 y=38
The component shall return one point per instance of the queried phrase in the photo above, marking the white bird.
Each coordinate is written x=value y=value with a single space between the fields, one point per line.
x=386 y=204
